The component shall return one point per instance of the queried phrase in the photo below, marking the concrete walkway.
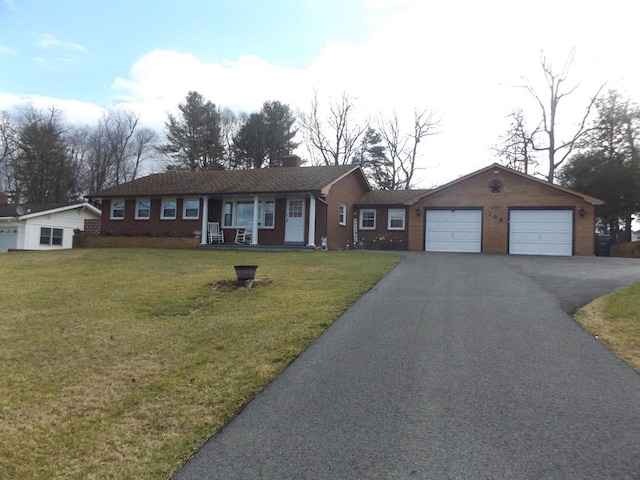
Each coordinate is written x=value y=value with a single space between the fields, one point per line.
x=455 y=366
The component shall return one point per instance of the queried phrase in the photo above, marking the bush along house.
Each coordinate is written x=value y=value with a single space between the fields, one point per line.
x=492 y=210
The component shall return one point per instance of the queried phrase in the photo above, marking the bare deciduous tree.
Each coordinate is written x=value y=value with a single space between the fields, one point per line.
x=516 y=147
x=558 y=150
x=142 y=149
x=8 y=144
x=402 y=148
x=114 y=149
x=332 y=140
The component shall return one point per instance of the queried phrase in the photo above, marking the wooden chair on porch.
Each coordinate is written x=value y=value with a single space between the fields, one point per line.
x=215 y=234
x=243 y=235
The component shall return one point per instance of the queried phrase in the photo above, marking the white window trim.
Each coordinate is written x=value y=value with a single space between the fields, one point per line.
x=184 y=208
x=234 y=207
x=375 y=218
x=165 y=200
x=404 y=218
x=343 y=214
x=111 y=209
x=138 y=201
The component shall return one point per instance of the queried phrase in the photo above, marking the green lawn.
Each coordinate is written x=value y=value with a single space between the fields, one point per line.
x=118 y=363
x=615 y=320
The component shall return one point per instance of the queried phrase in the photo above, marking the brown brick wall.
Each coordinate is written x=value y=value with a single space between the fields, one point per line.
x=517 y=192
x=153 y=227
x=146 y=242
x=626 y=250
x=347 y=190
x=381 y=238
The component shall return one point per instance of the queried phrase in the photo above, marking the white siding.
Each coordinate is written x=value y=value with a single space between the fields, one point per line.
x=68 y=221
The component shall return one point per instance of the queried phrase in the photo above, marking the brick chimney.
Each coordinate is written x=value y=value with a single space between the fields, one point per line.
x=4 y=198
x=290 y=161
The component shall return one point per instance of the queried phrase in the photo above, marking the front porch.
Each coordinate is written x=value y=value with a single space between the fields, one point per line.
x=273 y=222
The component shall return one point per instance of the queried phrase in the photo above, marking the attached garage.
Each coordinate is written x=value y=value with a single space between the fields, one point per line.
x=541 y=232
x=453 y=230
x=492 y=210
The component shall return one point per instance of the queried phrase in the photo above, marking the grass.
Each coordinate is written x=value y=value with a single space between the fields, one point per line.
x=119 y=363
x=615 y=320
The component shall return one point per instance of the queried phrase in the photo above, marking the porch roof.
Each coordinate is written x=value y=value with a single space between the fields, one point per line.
x=229 y=182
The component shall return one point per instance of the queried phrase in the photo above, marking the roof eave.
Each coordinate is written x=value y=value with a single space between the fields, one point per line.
x=84 y=205
x=586 y=198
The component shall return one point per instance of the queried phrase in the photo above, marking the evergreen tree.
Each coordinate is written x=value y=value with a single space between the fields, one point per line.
x=194 y=137
x=610 y=167
x=266 y=136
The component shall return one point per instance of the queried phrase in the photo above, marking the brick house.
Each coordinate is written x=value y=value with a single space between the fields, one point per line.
x=287 y=205
x=493 y=210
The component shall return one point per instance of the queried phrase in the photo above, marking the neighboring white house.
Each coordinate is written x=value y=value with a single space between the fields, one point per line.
x=42 y=226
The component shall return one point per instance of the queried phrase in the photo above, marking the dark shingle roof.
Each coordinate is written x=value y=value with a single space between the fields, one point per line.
x=11 y=209
x=211 y=182
x=389 y=197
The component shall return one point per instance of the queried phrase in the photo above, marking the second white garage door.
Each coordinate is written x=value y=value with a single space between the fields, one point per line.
x=453 y=231
x=541 y=232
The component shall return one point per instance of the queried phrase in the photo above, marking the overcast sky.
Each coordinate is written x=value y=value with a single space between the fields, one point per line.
x=464 y=59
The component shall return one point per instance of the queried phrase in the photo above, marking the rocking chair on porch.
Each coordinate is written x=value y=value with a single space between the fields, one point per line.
x=243 y=235
x=215 y=235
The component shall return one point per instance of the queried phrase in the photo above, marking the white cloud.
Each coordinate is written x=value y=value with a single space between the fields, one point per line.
x=48 y=41
x=462 y=59
x=75 y=112
x=11 y=4
x=4 y=50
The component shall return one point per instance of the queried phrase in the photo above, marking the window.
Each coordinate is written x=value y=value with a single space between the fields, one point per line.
x=51 y=236
x=239 y=213
x=368 y=219
x=143 y=209
x=117 y=209
x=343 y=214
x=191 y=208
x=395 y=219
x=168 y=209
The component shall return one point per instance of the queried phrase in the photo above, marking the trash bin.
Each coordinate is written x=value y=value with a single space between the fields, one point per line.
x=603 y=245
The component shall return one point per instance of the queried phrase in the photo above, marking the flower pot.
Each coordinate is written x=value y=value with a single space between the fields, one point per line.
x=245 y=272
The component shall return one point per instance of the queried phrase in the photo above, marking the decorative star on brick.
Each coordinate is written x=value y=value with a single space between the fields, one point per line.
x=495 y=186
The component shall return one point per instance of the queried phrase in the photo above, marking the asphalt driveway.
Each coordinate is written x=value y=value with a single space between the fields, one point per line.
x=455 y=366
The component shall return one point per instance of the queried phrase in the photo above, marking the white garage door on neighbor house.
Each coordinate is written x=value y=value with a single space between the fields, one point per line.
x=453 y=231
x=8 y=238
x=541 y=232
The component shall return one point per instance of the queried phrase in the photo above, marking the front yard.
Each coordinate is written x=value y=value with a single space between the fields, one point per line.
x=615 y=320
x=118 y=363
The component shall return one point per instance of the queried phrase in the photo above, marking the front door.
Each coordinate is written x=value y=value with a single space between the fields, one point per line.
x=294 y=228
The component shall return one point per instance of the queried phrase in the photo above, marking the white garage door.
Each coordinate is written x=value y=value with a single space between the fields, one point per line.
x=541 y=232
x=453 y=231
x=8 y=238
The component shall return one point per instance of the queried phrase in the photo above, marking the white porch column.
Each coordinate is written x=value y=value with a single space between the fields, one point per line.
x=205 y=219
x=312 y=221
x=254 y=225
